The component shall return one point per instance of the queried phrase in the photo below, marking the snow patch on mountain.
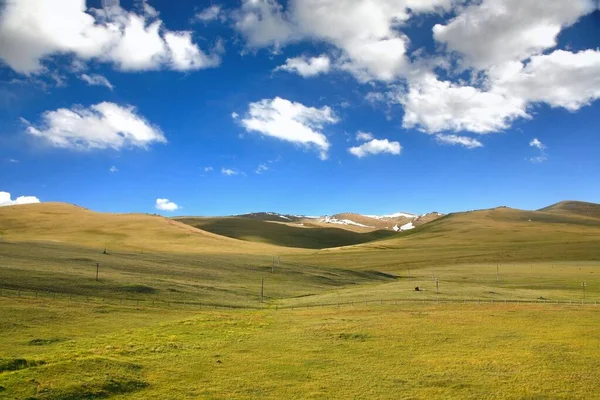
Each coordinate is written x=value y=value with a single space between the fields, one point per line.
x=331 y=220
x=395 y=215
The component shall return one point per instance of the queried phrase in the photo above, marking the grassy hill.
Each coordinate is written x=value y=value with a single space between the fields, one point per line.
x=254 y=230
x=495 y=235
x=69 y=224
x=575 y=207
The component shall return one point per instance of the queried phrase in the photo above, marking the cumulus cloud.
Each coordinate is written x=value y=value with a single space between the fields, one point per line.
x=113 y=169
x=6 y=200
x=505 y=45
x=290 y=121
x=101 y=126
x=96 y=80
x=464 y=141
x=364 y=31
x=376 y=146
x=185 y=55
x=434 y=106
x=306 y=66
x=32 y=30
x=495 y=31
x=559 y=79
x=208 y=169
x=166 y=205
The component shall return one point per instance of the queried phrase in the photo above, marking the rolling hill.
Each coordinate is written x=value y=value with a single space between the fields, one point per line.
x=574 y=207
x=69 y=224
x=495 y=235
x=281 y=234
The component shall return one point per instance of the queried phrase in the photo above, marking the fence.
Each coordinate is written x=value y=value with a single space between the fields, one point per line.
x=199 y=305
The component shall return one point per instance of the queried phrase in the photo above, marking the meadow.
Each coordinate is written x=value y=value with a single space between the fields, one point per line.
x=500 y=312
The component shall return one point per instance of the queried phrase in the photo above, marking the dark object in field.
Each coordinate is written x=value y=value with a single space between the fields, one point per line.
x=417 y=289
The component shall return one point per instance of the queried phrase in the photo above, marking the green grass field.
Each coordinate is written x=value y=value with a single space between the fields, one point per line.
x=180 y=319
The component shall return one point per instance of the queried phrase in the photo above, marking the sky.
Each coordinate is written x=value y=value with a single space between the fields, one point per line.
x=309 y=107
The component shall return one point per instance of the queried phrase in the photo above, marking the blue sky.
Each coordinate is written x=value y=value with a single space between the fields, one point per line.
x=231 y=107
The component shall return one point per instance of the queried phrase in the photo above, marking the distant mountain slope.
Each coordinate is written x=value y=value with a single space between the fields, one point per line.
x=256 y=230
x=69 y=224
x=270 y=216
x=575 y=207
x=485 y=236
x=395 y=222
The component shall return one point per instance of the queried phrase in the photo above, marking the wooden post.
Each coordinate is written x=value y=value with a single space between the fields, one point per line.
x=273 y=266
x=437 y=285
x=262 y=289
x=97 y=269
x=583 y=284
x=497 y=273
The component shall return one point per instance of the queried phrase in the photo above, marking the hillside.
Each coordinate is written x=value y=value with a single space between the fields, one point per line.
x=575 y=207
x=69 y=224
x=280 y=234
x=495 y=235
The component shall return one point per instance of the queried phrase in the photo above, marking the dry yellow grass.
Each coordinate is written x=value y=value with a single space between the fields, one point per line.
x=69 y=224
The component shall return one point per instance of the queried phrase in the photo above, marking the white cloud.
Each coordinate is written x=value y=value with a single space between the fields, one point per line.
x=305 y=66
x=559 y=79
x=13 y=161
x=364 y=136
x=101 y=126
x=435 y=106
x=208 y=169
x=149 y=10
x=376 y=146
x=261 y=168
x=290 y=121
x=5 y=199
x=113 y=169
x=166 y=205
x=96 y=80
x=542 y=148
x=465 y=141
x=364 y=31
x=234 y=115
x=229 y=171
x=185 y=55
x=263 y=23
x=209 y=14
x=375 y=97
x=536 y=143
x=496 y=31
x=32 y=30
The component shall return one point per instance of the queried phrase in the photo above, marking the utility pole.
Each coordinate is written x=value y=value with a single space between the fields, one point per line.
x=583 y=285
x=262 y=289
x=97 y=269
x=437 y=285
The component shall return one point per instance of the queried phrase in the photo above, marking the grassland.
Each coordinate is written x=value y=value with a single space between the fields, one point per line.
x=279 y=234
x=401 y=352
x=115 y=337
